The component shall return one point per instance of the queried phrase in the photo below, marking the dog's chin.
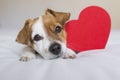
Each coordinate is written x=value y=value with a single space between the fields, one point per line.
x=53 y=56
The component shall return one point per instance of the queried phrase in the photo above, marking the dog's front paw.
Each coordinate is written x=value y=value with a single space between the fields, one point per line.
x=69 y=54
x=27 y=57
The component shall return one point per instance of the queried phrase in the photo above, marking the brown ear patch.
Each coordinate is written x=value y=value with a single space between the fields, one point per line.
x=50 y=12
x=24 y=34
x=61 y=17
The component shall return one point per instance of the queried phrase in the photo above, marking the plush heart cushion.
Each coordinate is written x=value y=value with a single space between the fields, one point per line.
x=90 y=31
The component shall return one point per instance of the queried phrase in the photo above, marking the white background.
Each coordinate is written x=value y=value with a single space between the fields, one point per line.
x=13 y=13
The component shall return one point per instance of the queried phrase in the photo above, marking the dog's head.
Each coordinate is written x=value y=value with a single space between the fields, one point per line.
x=46 y=34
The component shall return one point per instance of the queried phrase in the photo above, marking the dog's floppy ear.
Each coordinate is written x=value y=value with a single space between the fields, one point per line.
x=61 y=17
x=24 y=35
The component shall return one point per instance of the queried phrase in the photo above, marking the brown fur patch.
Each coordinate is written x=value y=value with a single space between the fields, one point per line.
x=49 y=25
x=24 y=36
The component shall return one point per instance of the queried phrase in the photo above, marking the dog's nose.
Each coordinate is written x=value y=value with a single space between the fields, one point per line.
x=55 y=48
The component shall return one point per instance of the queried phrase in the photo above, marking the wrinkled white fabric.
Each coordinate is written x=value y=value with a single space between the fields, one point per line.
x=89 y=65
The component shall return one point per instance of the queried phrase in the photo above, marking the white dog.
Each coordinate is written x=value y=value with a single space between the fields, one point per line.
x=45 y=35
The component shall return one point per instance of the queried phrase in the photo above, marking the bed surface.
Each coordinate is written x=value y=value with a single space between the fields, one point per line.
x=90 y=65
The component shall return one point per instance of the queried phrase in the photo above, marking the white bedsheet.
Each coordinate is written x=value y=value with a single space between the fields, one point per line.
x=89 y=65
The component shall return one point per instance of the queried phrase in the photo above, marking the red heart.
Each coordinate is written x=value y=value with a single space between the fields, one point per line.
x=90 y=31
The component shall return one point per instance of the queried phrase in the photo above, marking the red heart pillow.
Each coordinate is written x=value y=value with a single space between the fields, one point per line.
x=90 y=31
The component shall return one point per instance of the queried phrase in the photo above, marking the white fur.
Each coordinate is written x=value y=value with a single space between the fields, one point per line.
x=69 y=54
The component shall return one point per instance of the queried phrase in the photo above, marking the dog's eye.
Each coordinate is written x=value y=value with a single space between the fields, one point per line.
x=58 y=29
x=37 y=37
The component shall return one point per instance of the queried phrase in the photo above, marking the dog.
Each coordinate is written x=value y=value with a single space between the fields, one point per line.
x=46 y=36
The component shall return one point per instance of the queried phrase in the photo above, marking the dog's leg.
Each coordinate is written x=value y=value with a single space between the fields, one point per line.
x=28 y=54
x=70 y=54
